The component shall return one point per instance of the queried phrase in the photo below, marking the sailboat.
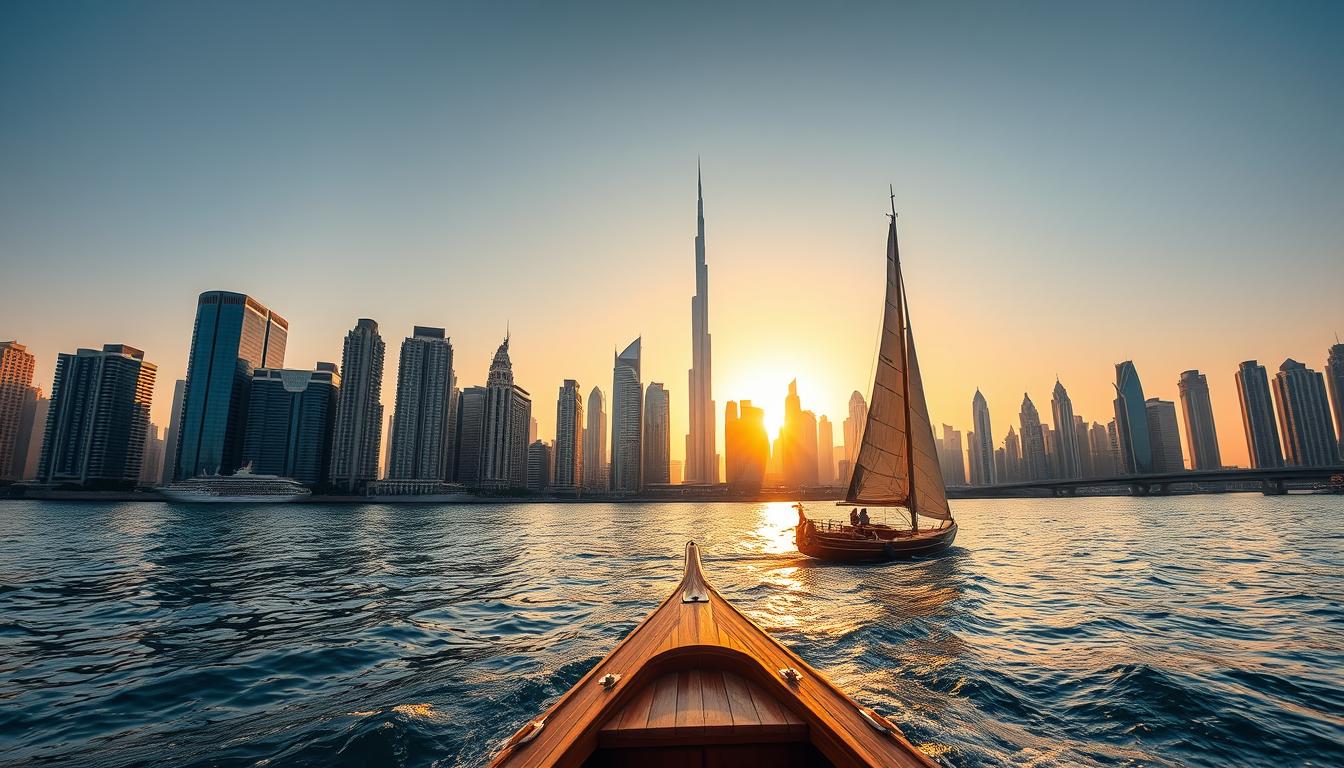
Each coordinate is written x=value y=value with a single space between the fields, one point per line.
x=897 y=465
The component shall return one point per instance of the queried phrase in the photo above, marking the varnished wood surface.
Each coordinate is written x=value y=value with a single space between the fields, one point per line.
x=670 y=666
x=712 y=706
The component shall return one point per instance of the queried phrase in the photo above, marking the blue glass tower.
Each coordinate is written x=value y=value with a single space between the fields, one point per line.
x=290 y=415
x=234 y=335
x=1131 y=421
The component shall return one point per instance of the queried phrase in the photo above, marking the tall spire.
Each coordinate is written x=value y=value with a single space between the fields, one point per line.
x=702 y=464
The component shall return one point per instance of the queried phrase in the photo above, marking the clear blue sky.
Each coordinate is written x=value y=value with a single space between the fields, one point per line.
x=1079 y=184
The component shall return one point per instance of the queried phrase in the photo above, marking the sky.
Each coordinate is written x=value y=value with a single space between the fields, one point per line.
x=1078 y=184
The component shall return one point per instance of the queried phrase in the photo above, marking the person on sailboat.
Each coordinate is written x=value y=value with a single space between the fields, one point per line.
x=863 y=517
x=853 y=517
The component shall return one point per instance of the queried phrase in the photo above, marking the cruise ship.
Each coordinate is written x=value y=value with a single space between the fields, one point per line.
x=242 y=487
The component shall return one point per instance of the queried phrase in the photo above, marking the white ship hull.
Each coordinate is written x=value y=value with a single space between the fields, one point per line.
x=195 y=497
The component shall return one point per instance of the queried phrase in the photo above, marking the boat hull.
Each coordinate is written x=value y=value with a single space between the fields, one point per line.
x=845 y=547
x=201 y=498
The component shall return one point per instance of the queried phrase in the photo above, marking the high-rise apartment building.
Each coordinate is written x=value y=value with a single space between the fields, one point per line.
x=16 y=396
x=32 y=423
x=1105 y=462
x=421 y=421
x=1200 y=435
x=569 y=438
x=151 y=466
x=170 y=438
x=950 y=458
x=1166 y=441
x=1257 y=415
x=1080 y=439
x=595 y=443
x=1131 y=420
x=854 y=425
x=1012 y=457
x=357 y=434
x=626 y=421
x=1304 y=416
x=98 y=417
x=657 y=436
x=233 y=335
x=538 y=476
x=289 y=423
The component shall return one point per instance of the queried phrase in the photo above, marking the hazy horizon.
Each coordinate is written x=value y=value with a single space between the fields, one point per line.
x=1152 y=183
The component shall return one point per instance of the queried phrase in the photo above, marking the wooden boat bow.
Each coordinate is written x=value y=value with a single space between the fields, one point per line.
x=697 y=674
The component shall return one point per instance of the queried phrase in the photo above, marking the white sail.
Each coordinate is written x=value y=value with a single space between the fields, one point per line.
x=898 y=439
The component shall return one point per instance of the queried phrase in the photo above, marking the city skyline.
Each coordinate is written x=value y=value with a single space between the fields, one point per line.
x=287 y=204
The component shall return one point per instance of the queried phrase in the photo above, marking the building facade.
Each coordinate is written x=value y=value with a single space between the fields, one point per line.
x=746 y=447
x=16 y=397
x=627 y=404
x=470 y=435
x=825 y=451
x=289 y=424
x=1034 y=463
x=1334 y=382
x=1257 y=416
x=538 y=476
x=657 y=435
x=854 y=425
x=234 y=334
x=1162 y=431
x=1200 y=435
x=422 y=418
x=98 y=417
x=1304 y=416
x=357 y=432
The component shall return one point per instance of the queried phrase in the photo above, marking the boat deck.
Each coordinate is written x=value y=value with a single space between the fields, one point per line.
x=709 y=705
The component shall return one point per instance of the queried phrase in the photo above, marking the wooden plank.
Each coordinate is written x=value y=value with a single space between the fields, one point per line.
x=663 y=710
x=690 y=702
x=740 y=706
x=716 y=700
x=636 y=713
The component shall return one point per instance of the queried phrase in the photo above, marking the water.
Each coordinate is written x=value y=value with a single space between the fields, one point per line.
x=1203 y=631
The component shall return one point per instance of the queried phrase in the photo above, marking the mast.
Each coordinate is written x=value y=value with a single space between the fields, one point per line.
x=904 y=310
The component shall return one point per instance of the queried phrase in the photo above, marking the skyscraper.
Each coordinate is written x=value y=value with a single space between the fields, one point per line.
x=950 y=460
x=854 y=426
x=595 y=443
x=1200 y=435
x=1131 y=421
x=234 y=333
x=357 y=435
x=508 y=419
x=1034 y=464
x=1080 y=439
x=423 y=413
x=657 y=435
x=289 y=422
x=982 y=445
x=151 y=465
x=170 y=438
x=1257 y=416
x=1304 y=416
x=702 y=460
x=16 y=394
x=31 y=426
x=1068 y=457
x=1161 y=416
x=1104 y=462
x=825 y=451
x=99 y=414
x=1012 y=457
x=1334 y=380
x=798 y=442
x=569 y=438
x=538 y=466
x=746 y=447
x=626 y=417
x=470 y=433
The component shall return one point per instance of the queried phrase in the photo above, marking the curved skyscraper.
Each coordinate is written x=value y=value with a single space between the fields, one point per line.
x=702 y=461
x=626 y=417
x=1131 y=421
x=983 y=470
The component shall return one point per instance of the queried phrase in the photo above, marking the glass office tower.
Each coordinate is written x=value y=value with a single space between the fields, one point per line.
x=234 y=335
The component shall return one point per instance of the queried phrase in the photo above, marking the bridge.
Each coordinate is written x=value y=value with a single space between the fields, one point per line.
x=1272 y=481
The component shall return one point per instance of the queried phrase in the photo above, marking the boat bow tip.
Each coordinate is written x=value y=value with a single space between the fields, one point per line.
x=694 y=588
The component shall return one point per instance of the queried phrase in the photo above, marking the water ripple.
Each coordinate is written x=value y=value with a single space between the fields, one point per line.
x=1202 y=631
